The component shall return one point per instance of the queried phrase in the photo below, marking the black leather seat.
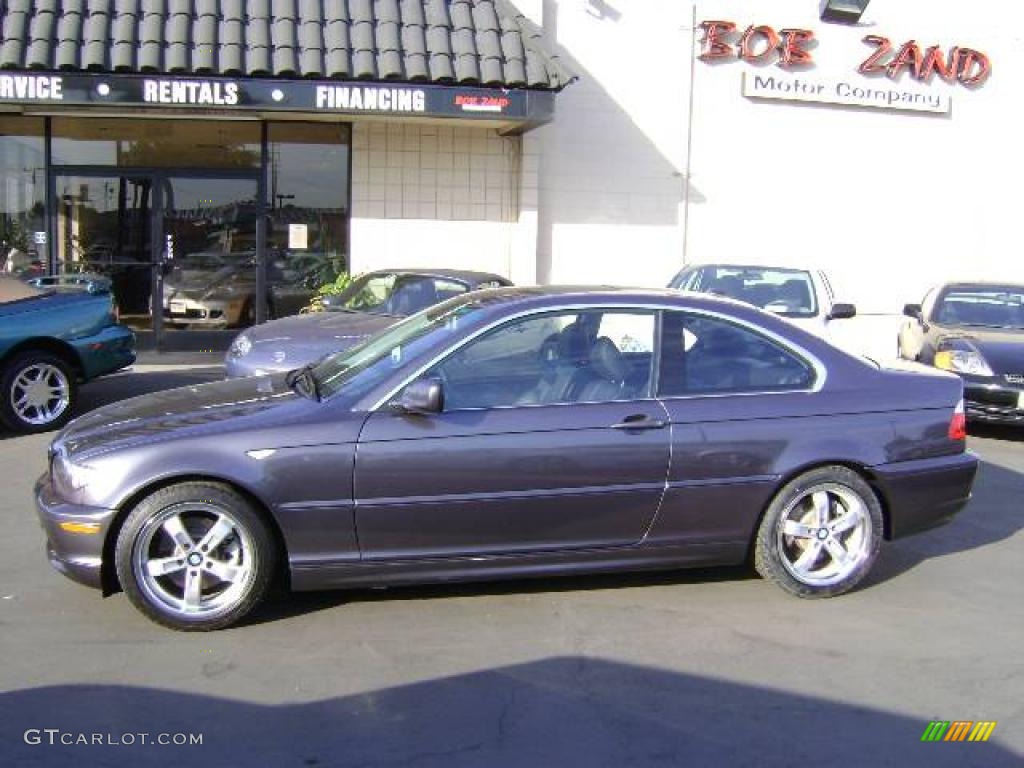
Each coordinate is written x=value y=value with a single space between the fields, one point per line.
x=562 y=356
x=605 y=377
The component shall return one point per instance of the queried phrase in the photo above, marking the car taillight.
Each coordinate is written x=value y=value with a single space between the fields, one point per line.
x=958 y=424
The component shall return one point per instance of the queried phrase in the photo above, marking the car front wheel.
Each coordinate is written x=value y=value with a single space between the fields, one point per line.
x=38 y=392
x=195 y=556
x=821 y=533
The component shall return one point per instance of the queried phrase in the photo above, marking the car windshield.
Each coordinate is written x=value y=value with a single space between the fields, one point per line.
x=363 y=366
x=991 y=306
x=368 y=293
x=12 y=289
x=786 y=292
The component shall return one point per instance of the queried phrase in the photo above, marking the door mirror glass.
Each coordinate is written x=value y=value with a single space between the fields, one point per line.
x=912 y=310
x=842 y=312
x=423 y=397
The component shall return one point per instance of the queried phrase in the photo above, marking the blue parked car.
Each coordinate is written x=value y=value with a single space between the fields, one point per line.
x=50 y=341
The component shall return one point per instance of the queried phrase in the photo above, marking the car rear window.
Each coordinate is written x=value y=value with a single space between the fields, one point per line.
x=786 y=292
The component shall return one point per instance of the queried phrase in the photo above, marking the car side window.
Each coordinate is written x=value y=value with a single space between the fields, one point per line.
x=553 y=358
x=707 y=355
x=447 y=289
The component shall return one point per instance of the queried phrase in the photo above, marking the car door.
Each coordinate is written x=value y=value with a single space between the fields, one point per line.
x=549 y=439
x=734 y=397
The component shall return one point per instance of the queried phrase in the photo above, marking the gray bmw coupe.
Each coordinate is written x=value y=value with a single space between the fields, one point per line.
x=510 y=433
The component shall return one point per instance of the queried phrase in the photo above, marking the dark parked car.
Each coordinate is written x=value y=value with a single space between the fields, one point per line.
x=371 y=303
x=975 y=330
x=50 y=341
x=508 y=433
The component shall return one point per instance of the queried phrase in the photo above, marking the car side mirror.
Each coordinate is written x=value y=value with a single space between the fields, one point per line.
x=842 y=312
x=422 y=398
x=913 y=310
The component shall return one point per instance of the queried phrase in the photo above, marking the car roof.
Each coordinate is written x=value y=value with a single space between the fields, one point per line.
x=558 y=295
x=465 y=275
x=732 y=265
x=981 y=284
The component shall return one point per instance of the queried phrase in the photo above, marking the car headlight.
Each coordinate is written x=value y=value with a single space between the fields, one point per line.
x=969 y=361
x=241 y=346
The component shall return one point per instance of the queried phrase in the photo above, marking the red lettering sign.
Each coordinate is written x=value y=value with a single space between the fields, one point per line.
x=713 y=46
x=757 y=43
x=964 y=65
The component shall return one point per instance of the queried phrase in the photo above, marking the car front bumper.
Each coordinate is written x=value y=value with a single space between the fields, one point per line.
x=75 y=534
x=925 y=493
x=210 y=312
x=995 y=403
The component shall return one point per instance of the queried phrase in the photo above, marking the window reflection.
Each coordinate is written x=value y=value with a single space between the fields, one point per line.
x=307 y=193
x=156 y=143
x=22 y=196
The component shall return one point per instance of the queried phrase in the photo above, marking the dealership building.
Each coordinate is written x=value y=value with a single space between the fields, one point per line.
x=221 y=159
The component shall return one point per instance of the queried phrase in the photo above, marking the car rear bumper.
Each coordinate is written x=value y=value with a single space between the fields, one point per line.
x=925 y=493
x=74 y=534
x=110 y=350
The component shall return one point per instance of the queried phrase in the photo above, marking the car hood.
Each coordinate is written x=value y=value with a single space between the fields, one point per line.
x=294 y=341
x=1002 y=348
x=203 y=409
x=321 y=326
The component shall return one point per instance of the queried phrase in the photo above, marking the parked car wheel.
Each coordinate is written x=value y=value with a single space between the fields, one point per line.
x=195 y=556
x=39 y=391
x=821 y=533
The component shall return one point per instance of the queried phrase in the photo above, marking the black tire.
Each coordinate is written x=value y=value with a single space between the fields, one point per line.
x=25 y=422
x=794 y=505
x=248 y=547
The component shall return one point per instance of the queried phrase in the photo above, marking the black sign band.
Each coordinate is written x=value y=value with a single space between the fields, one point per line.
x=315 y=96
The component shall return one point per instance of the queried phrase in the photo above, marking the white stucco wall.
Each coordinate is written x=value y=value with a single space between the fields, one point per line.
x=433 y=196
x=887 y=202
x=639 y=173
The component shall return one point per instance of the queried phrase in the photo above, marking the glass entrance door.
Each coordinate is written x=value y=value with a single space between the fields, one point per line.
x=180 y=251
x=209 y=259
x=105 y=227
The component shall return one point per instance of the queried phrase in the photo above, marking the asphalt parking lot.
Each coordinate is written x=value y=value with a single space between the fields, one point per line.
x=711 y=667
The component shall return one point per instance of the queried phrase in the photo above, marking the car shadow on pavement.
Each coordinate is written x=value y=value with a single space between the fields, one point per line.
x=563 y=711
x=1003 y=432
x=285 y=605
x=992 y=515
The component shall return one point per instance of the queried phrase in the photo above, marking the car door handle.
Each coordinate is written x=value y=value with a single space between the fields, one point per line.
x=640 y=421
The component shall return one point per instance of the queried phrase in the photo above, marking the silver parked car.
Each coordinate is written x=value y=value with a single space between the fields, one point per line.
x=371 y=303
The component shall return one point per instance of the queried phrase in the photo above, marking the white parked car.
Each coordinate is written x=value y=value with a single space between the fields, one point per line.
x=803 y=296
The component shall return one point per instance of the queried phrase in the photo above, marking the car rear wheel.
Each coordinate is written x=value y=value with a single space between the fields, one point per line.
x=821 y=533
x=195 y=556
x=38 y=392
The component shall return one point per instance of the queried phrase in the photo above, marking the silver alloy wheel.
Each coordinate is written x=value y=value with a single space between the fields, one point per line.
x=194 y=560
x=824 y=535
x=40 y=394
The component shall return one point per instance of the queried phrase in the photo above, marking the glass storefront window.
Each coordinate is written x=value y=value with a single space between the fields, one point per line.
x=117 y=142
x=22 y=196
x=307 y=194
